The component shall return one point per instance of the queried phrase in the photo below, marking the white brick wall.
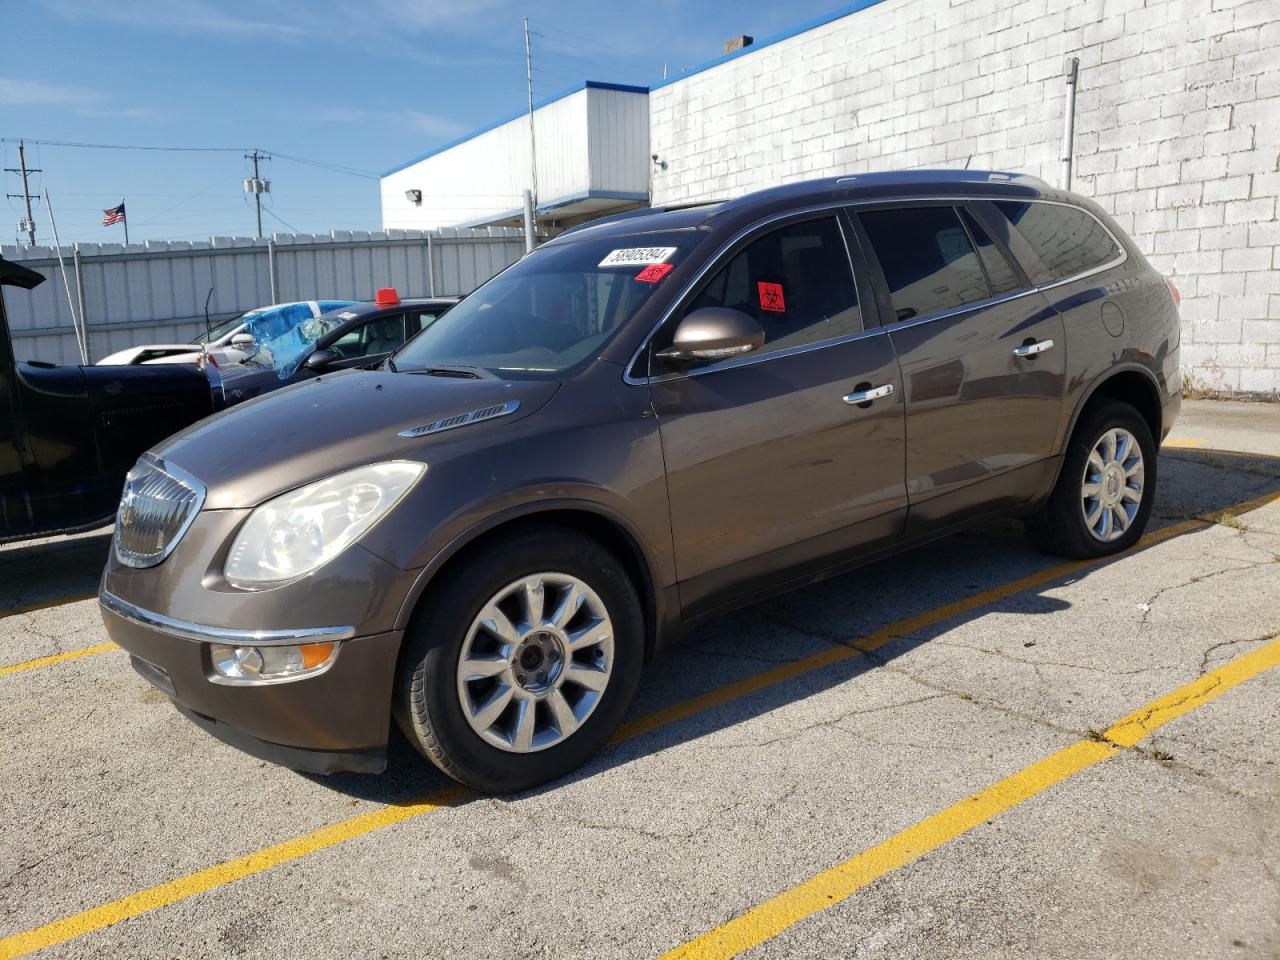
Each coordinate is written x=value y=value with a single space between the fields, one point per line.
x=1177 y=132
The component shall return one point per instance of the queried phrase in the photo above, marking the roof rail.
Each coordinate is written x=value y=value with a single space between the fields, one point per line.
x=640 y=212
x=973 y=176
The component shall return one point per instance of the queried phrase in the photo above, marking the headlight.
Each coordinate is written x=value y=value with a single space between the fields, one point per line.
x=299 y=531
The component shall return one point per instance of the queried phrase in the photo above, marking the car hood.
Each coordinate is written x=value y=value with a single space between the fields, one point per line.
x=312 y=430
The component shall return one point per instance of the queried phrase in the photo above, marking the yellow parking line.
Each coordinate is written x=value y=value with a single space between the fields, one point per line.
x=839 y=883
x=57 y=658
x=45 y=604
x=1183 y=443
x=165 y=894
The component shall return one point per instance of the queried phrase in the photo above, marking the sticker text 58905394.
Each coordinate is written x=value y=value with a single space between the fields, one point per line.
x=637 y=256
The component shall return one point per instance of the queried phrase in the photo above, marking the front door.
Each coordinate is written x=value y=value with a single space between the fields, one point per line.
x=983 y=362
x=772 y=476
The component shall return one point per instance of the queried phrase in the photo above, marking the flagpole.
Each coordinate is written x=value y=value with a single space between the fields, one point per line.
x=125 y=220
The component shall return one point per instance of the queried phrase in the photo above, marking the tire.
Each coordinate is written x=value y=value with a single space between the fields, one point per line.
x=434 y=699
x=1063 y=526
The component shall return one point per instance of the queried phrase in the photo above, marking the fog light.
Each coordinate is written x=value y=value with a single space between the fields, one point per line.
x=240 y=665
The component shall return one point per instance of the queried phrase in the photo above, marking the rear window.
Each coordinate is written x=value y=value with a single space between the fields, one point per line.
x=927 y=259
x=1068 y=240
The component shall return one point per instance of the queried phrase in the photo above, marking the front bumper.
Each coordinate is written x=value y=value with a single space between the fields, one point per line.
x=332 y=721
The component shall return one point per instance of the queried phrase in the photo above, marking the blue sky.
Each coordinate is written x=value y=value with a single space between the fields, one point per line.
x=364 y=84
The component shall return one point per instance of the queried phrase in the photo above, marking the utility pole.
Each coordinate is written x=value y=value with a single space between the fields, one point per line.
x=257 y=186
x=28 y=224
x=533 y=145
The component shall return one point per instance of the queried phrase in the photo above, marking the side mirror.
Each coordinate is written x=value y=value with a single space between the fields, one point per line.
x=244 y=341
x=320 y=359
x=712 y=333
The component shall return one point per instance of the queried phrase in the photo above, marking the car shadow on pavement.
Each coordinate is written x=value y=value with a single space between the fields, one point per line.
x=1198 y=483
x=51 y=571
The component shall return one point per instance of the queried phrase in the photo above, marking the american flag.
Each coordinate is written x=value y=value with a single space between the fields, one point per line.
x=113 y=215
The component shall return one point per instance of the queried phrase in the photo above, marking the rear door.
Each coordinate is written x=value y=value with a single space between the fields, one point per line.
x=771 y=474
x=983 y=361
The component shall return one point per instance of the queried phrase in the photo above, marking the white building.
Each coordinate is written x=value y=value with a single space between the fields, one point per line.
x=1177 y=134
x=593 y=158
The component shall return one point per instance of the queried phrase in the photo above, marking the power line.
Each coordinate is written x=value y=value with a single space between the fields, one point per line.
x=324 y=165
x=271 y=213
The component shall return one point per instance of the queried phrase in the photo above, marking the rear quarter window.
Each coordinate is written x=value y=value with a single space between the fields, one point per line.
x=1069 y=241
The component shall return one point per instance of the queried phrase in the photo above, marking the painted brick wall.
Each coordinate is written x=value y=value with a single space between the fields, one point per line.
x=1177 y=132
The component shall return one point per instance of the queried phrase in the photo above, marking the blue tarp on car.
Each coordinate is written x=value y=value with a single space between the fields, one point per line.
x=287 y=332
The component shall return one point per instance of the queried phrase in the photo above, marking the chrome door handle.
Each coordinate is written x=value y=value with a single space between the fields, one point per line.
x=866 y=396
x=1031 y=349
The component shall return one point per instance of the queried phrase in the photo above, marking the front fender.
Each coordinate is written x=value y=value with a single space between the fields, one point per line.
x=650 y=560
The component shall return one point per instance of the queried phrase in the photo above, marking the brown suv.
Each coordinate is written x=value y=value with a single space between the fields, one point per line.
x=647 y=421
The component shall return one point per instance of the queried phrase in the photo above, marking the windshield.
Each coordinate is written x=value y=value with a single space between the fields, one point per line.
x=553 y=310
x=220 y=330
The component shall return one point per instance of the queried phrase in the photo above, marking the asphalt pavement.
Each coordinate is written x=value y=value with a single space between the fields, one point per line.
x=972 y=750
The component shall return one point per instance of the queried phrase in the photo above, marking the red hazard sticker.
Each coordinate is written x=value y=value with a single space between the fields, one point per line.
x=771 y=297
x=655 y=272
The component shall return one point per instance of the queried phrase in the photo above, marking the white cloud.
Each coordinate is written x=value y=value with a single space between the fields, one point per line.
x=32 y=92
x=434 y=124
x=83 y=101
x=431 y=124
x=177 y=16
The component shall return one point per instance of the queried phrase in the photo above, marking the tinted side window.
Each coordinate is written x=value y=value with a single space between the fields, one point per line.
x=999 y=273
x=420 y=321
x=377 y=336
x=796 y=281
x=927 y=259
x=1067 y=240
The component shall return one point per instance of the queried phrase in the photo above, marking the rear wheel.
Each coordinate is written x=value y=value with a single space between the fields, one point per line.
x=1102 y=499
x=522 y=661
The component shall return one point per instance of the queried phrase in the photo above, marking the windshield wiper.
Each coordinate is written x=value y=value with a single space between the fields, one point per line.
x=464 y=373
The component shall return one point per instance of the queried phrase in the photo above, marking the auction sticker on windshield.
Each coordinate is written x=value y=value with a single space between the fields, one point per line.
x=637 y=256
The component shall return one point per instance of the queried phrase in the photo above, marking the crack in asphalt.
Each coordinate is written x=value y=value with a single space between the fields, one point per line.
x=1199 y=578
x=1204 y=657
x=746 y=810
x=1037 y=664
x=831 y=723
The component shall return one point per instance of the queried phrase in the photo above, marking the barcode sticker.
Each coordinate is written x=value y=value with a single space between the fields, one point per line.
x=637 y=256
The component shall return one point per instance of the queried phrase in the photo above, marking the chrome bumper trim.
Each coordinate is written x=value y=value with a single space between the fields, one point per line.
x=203 y=634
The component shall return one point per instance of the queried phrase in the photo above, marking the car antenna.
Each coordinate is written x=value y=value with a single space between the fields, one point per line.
x=208 y=330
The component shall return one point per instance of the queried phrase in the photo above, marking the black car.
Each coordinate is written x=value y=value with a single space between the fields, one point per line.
x=68 y=435
x=359 y=335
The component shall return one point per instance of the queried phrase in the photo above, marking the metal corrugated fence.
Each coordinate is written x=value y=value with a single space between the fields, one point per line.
x=155 y=292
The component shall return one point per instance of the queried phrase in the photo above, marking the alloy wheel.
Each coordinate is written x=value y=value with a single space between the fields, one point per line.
x=1112 y=488
x=535 y=662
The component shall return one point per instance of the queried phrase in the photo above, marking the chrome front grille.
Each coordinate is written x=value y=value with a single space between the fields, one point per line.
x=160 y=501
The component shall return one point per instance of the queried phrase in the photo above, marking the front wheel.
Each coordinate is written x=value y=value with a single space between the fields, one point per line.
x=522 y=661
x=1103 y=496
